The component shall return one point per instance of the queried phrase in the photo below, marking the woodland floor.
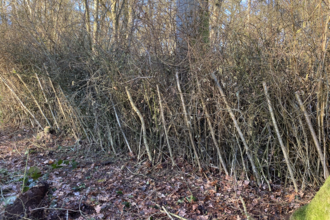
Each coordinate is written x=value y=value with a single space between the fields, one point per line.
x=95 y=185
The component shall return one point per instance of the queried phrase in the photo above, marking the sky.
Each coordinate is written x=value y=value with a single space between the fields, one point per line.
x=244 y=2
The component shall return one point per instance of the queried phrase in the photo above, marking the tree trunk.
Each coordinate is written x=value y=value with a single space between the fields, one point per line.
x=95 y=23
x=87 y=24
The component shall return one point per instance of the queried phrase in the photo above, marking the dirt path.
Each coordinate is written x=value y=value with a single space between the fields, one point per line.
x=107 y=187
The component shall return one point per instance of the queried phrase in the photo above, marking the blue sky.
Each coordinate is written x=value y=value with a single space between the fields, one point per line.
x=244 y=2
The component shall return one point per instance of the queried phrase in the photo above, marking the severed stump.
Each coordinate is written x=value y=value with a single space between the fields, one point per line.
x=26 y=202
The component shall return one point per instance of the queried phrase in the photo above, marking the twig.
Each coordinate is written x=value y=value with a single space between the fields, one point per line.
x=61 y=209
x=245 y=210
x=140 y=141
x=2 y=195
x=168 y=214
x=176 y=216
x=110 y=138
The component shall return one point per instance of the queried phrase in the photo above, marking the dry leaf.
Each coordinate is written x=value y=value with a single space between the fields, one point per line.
x=291 y=197
x=98 y=209
x=213 y=183
x=147 y=164
x=160 y=166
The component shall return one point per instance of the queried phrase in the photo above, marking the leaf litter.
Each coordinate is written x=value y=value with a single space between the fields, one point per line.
x=107 y=187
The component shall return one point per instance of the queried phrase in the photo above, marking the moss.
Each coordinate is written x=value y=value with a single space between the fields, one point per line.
x=318 y=208
x=299 y=213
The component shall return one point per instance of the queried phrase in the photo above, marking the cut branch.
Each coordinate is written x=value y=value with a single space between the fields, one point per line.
x=316 y=142
x=142 y=122
x=247 y=149
x=188 y=122
x=54 y=90
x=285 y=153
x=208 y=118
x=164 y=125
x=121 y=129
x=35 y=100
x=20 y=101
x=50 y=108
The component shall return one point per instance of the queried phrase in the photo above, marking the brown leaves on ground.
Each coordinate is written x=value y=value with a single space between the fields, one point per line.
x=126 y=189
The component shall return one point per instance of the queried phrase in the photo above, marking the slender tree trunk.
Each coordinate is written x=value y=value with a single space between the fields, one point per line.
x=114 y=19
x=215 y=20
x=185 y=19
x=130 y=25
x=3 y=14
x=88 y=25
x=95 y=23
x=249 y=11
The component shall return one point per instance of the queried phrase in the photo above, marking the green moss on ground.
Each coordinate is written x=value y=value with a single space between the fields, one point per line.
x=318 y=208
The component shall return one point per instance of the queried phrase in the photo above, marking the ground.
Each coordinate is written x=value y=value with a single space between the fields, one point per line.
x=97 y=185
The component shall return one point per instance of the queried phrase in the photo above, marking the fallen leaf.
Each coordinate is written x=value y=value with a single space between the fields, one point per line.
x=291 y=197
x=98 y=209
x=194 y=206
